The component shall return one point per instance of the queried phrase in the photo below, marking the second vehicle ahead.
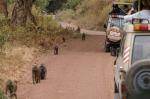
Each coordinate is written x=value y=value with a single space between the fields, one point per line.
x=113 y=34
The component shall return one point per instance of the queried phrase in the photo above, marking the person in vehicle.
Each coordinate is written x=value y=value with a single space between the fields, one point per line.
x=134 y=8
x=116 y=10
x=126 y=8
x=143 y=14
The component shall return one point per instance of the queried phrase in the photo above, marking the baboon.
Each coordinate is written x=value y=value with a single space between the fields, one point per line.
x=11 y=88
x=83 y=36
x=63 y=39
x=43 y=72
x=35 y=74
x=78 y=29
x=56 y=50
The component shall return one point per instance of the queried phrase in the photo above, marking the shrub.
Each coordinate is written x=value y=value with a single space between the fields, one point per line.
x=10 y=1
x=54 y=5
x=66 y=15
x=71 y=4
x=42 y=3
x=1 y=95
x=89 y=13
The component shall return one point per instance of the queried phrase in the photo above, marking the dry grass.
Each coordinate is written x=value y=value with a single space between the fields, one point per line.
x=20 y=44
x=89 y=14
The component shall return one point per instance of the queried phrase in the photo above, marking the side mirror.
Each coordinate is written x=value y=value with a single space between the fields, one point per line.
x=105 y=26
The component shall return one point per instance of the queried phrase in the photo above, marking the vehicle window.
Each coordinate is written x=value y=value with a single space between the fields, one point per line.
x=141 y=48
x=117 y=22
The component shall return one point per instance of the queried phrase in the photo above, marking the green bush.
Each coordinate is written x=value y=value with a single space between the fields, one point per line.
x=10 y=1
x=71 y=4
x=42 y=3
x=1 y=94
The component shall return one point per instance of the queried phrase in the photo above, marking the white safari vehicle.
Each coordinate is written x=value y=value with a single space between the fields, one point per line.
x=132 y=66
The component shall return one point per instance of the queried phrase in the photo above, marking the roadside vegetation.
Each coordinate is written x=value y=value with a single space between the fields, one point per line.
x=89 y=14
x=19 y=45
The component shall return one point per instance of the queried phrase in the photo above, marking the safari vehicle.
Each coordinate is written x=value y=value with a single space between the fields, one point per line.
x=113 y=34
x=132 y=66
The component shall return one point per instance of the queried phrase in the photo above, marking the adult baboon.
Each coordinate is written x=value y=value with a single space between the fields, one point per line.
x=43 y=72
x=56 y=50
x=83 y=36
x=11 y=88
x=35 y=74
x=78 y=29
x=63 y=39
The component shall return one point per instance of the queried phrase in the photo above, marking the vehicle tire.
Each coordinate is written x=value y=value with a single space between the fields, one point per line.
x=138 y=78
x=137 y=97
x=129 y=96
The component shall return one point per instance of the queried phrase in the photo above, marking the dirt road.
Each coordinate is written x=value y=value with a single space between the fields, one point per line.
x=89 y=32
x=82 y=70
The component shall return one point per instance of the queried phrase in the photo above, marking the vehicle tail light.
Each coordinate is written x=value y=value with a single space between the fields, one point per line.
x=123 y=90
x=144 y=27
x=137 y=27
x=123 y=87
x=141 y=27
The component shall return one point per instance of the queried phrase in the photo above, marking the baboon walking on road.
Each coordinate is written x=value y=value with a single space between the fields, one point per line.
x=63 y=39
x=83 y=36
x=35 y=74
x=43 y=72
x=56 y=50
x=11 y=88
x=78 y=29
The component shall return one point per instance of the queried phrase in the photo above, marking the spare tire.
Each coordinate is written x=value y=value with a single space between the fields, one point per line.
x=138 y=78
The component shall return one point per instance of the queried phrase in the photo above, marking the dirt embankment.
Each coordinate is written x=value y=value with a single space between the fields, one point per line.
x=13 y=62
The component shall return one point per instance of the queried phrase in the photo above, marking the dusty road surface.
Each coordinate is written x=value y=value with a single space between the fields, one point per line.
x=82 y=70
x=75 y=27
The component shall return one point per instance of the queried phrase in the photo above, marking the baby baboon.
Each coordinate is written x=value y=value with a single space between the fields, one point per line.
x=43 y=72
x=63 y=39
x=83 y=36
x=56 y=50
x=11 y=88
x=35 y=74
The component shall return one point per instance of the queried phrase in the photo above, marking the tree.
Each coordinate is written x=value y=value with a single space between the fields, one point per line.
x=21 y=12
x=3 y=7
x=55 y=5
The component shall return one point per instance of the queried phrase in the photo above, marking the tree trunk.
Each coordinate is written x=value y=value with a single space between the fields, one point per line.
x=3 y=7
x=21 y=11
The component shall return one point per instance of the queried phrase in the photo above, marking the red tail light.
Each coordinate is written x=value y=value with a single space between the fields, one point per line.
x=123 y=88
x=141 y=27
x=144 y=27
